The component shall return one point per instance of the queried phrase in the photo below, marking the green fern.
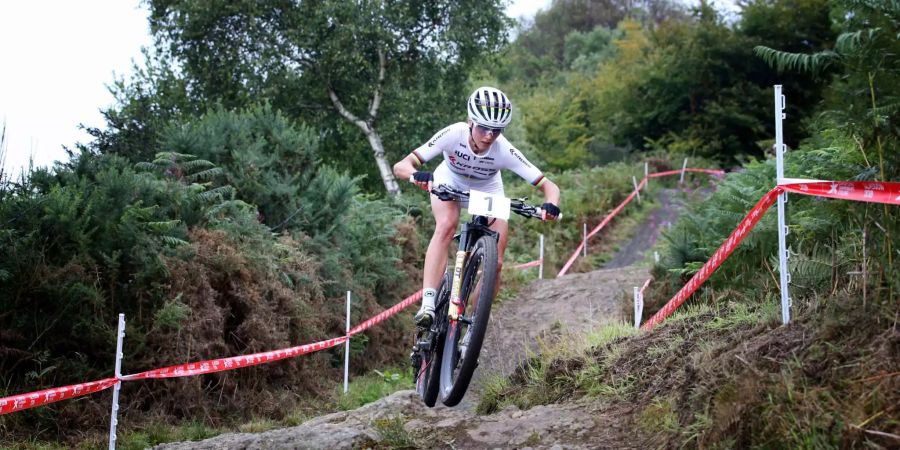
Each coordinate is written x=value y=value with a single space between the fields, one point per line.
x=782 y=61
x=174 y=241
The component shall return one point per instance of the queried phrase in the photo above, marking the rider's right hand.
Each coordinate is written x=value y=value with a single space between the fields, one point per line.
x=422 y=179
x=551 y=211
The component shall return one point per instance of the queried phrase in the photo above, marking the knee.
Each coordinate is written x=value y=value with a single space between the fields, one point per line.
x=444 y=231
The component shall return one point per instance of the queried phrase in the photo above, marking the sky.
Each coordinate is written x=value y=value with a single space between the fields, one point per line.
x=58 y=58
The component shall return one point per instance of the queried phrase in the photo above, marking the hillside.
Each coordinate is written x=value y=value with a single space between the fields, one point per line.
x=545 y=312
x=560 y=370
x=732 y=377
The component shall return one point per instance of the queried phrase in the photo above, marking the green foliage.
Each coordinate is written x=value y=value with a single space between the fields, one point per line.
x=688 y=85
x=796 y=61
x=573 y=35
x=171 y=314
x=588 y=195
x=374 y=386
x=84 y=244
x=173 y=249
x=269 y=161
x=393 y=433
x=349 y=68
x=854 y=138
x=585 y=51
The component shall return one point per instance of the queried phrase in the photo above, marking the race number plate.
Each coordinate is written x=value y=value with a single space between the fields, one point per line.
x=489 y=205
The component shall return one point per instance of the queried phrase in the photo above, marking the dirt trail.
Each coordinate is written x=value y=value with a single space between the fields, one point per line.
x=569 y=305
x=647 y=233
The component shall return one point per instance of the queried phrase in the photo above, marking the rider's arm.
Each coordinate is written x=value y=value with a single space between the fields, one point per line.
x=551 y=195
x=406 y=167
x=551 y=192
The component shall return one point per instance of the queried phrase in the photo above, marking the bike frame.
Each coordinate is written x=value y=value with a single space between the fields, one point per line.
x=470 y=233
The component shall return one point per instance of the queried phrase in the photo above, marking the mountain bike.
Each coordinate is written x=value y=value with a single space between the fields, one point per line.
x=445 y=354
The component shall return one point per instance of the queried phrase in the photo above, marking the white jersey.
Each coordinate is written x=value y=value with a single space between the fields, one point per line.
x=453 y=142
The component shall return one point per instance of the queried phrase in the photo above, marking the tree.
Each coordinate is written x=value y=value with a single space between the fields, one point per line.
x=351 y=56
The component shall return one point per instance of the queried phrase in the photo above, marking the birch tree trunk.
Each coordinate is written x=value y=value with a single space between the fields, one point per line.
x=367 y=127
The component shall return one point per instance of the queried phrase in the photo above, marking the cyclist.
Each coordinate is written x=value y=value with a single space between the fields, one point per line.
x=474 y=153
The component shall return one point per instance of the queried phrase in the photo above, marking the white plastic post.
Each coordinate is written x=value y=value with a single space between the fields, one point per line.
x=640 y=314
x=637 y=313
x=634 y=181
x=683 y=169
x=541 y=258
x=784 y=276
x=647 y=171
x=120 y=336
x=347 y=349
x=656 y=256
x=584 y=240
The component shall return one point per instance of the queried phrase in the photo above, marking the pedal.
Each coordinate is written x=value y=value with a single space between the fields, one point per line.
x=465 y=320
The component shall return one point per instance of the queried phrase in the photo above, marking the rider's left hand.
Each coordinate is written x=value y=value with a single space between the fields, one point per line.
x=550 y=211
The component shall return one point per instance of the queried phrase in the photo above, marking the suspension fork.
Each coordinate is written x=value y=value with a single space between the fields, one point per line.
x=461 y=257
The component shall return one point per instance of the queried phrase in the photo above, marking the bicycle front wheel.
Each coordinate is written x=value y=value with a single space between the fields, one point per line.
x=429 y=370
x=464 y=337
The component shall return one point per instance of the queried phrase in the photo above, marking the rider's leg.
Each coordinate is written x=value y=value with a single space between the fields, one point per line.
x=446 y=217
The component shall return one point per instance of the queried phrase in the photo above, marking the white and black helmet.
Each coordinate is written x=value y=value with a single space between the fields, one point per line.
x=489 y=107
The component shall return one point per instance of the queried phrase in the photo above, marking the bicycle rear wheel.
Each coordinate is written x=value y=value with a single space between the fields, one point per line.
x=464 y=337
x=429 y=371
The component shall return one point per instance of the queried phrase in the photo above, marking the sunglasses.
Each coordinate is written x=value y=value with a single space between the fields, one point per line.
x=486 y=130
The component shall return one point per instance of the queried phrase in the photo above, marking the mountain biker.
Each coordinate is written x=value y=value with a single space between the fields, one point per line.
x=474 y=153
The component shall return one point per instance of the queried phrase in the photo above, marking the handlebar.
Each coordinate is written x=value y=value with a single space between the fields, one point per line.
x=517 y=205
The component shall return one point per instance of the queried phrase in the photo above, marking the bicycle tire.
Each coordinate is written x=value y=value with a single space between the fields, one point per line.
x=456 y=369
x=428 y=374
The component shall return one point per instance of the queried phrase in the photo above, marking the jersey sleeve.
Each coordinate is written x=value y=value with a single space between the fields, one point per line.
x=433 y=147
x=523 y=168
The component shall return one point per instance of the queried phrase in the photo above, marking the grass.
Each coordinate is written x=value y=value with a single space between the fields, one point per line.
x=730 y=375
x=374 y=386
x=393 y=434
x=660 y=415
x=557 y=370
x=156 y=433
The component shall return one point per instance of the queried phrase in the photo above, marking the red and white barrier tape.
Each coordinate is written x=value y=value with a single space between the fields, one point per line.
x=628 y=199
x=717 y=172
x=863 y=191
x=879 y=192
x=386 y=314
x=234 y=362
x=716 y=260
x=644 y=287
x=534 y=263
x=34 y=399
